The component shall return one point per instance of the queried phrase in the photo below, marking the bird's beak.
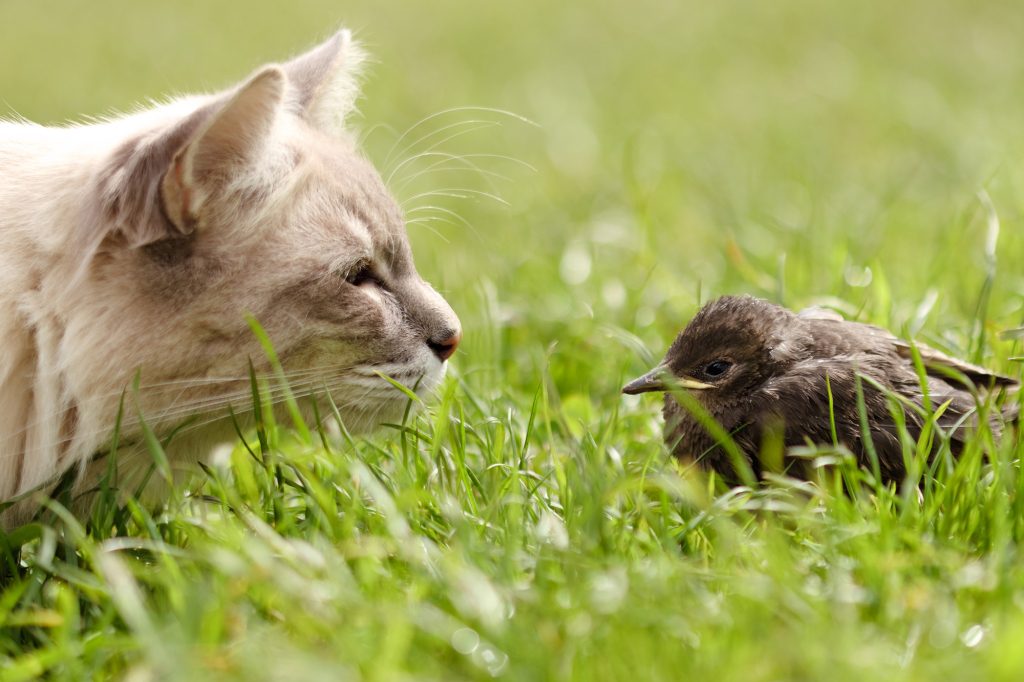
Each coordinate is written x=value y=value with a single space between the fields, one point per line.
x=661 y=379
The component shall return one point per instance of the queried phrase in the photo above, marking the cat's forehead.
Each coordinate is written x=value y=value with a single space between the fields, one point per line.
x=350 y=201
x=344 y=170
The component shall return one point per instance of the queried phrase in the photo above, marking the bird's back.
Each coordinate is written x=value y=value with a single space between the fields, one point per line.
x=849 y=363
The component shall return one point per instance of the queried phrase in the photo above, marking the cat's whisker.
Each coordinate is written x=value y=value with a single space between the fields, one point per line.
x=365 y=134
x=383 y=399
x=445 y=166
x=220 y=401
x=263 y=375
x=176 y=410
x=474 y=155
x=177 y=384
x=434 y=210
x=472 y=125
x=154 y=420
x=444 y=112
x=458 y=193
x=425 y=223
x=439 y=158
x=179 y=409
x=357 y=401
x=393 y=370
x=434 y=148
x=320 y=368
x=400 y=181
x=191 y=381
x=274 y=392
x=241 y=414
x=426 y=153
x=204 y=403
x=445 y=211
x=446 y=162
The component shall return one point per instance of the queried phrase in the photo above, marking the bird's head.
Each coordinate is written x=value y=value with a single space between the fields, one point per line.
x=729 y=348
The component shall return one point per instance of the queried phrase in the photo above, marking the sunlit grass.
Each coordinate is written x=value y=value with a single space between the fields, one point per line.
x=529 y=524
x=488 y=539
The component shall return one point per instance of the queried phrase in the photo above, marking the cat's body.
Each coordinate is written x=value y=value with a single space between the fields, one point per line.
x=135 y=248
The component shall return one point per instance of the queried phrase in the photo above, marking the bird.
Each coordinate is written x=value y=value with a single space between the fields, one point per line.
x=761 y=371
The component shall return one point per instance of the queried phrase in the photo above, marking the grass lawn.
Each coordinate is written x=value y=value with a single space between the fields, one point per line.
x=528 y=524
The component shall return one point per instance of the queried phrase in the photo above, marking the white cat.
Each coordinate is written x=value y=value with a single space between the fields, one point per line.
x=138 y=246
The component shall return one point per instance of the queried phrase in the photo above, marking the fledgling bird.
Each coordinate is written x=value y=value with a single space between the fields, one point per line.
x=759 y=369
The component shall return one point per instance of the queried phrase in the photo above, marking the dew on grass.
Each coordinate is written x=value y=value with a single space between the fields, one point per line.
x=608 y=590
x=943 y=631
x=974 y=574
x=579 y=625
x=495 y=661
x=475 y=595
x=973 y=635
x=613 y=293
x=858 y=277
x=644 y=317
x=551 y=530
x=575 y=265
x=613 y=227
x=465 y=640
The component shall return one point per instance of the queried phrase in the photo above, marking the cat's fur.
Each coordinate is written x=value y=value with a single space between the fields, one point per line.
x=137 y=246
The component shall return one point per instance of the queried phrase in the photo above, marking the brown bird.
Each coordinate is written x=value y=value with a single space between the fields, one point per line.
x=761 y=371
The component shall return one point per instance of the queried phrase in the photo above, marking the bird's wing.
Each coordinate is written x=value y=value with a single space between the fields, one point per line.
x=800 y=399
x=936 y=362
x=959 y=408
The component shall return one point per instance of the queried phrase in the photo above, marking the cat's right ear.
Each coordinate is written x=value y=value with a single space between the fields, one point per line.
x=325 y=82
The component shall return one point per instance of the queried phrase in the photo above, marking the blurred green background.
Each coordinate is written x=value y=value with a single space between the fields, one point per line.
x=795 y=150
x=868 y=155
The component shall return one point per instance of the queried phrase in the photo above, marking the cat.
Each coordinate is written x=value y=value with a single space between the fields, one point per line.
x=136 y=251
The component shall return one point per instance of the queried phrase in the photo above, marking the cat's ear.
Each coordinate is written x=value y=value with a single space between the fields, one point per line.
x=324 y=82
x=228 y=143
x=153 y=186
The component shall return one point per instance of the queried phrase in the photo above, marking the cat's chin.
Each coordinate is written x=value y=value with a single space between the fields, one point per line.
x=382 y=395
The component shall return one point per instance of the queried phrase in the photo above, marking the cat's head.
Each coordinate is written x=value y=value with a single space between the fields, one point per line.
x=256 y=202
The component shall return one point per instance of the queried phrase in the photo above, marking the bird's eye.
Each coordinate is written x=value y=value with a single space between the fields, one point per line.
x=361 y=273
x=717 y=368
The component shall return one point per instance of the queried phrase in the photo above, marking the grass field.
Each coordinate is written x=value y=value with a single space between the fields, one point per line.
x=528 y=524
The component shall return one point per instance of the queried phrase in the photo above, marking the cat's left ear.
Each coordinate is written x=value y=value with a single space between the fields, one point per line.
x=324 y=82
x=228 y=142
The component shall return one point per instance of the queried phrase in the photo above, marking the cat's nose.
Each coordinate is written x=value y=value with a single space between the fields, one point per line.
x=445 y=343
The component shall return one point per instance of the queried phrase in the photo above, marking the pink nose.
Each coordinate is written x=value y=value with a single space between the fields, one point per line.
x=444 y=345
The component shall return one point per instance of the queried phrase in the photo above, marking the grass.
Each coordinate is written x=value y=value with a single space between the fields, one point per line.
x=528 y=524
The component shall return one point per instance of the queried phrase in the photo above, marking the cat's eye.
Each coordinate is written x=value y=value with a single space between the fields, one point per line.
x=717 y=368
x=361 y=273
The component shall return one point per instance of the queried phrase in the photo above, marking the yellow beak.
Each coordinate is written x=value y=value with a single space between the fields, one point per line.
x=661 y=379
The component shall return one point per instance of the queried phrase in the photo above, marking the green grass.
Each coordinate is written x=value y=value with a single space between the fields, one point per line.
x=529 y=523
